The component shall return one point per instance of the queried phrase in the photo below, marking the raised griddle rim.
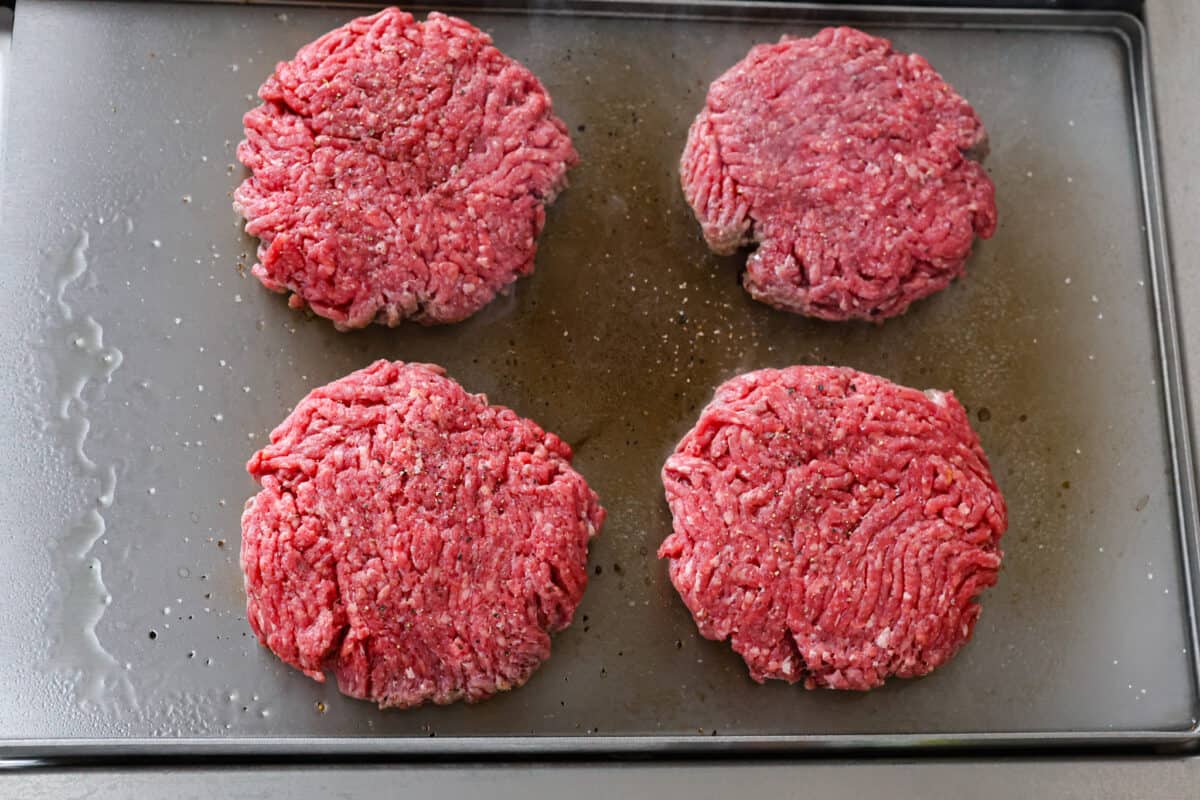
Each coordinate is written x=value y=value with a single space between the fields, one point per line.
x=1132 y=33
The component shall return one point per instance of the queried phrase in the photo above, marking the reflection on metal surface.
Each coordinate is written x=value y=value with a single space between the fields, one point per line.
x=81 y=598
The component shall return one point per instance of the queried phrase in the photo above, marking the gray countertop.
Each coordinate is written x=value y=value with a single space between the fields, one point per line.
x=1174 y=35
x=1175 y=30
x=830 y=781
x=897 y=780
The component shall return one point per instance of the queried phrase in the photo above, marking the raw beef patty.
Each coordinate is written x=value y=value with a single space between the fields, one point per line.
x=834 y=526
x=846 y=163
x=401 y=170
x=418 y=542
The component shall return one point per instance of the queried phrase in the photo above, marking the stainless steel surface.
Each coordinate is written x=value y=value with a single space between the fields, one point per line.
x=1086 y=637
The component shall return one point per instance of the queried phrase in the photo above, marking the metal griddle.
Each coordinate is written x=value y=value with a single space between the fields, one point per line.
x=140 y=367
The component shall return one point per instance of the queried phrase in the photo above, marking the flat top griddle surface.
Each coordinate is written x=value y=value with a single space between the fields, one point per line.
x=141 y=366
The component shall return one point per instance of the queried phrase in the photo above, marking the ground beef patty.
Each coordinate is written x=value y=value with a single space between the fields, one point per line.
x=845 y=162
x=400 y=171
x=834 y=526
x=415 y=540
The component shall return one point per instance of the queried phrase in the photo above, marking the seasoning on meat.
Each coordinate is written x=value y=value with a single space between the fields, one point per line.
x=834 y=526
x=401 y=170
x=846 y=163
x=418 y=542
